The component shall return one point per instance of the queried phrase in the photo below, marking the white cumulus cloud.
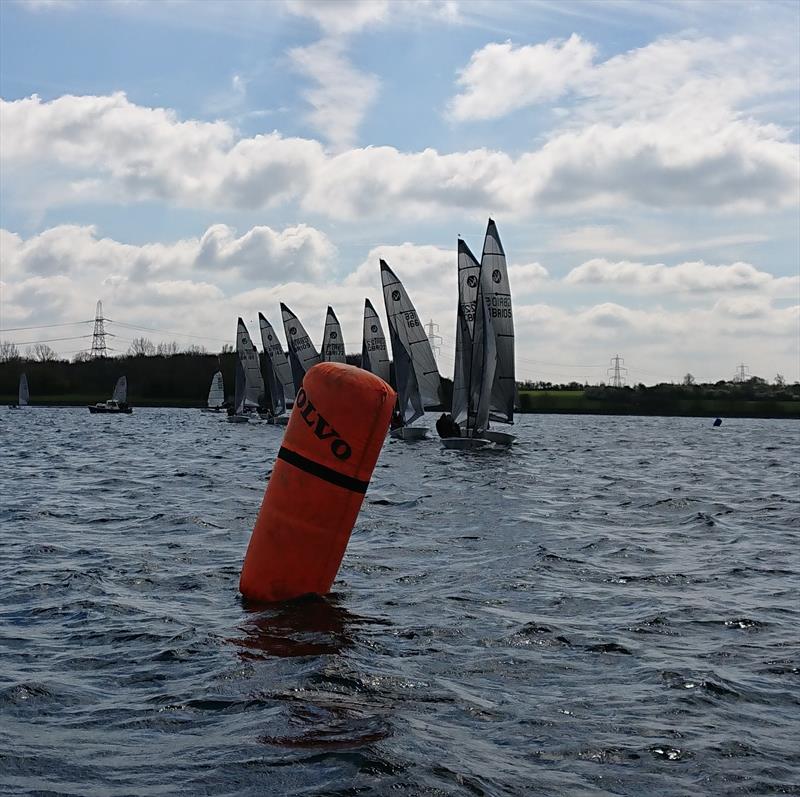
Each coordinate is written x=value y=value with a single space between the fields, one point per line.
x=688 y=277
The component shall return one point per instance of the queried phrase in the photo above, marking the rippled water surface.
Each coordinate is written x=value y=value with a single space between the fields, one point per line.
x=609 y=608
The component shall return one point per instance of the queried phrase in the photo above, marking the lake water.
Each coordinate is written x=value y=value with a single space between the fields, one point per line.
x=611 y=607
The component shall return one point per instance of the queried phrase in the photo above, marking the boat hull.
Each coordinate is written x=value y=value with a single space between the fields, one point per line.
x=500 y=439
x=95 y=410
x=238 y=419
x=409 y=433
x=466 y=443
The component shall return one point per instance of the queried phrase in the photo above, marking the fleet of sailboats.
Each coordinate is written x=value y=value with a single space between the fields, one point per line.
x=484 y=387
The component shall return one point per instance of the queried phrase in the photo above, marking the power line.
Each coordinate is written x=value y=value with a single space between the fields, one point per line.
x=48 y=340
x=163 y=331
x=46 y=326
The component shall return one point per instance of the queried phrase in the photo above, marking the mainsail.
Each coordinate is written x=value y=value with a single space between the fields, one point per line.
x=280 y=384
x=120 y=394
x=216 y=393
x=24 y=394
x=302 y=354
x=332 y=340
x=374 y=357
x=416 y=374
x=240 y=385
x=254 y=390
x=483 y=362
x=498 y=297
x=468 y=277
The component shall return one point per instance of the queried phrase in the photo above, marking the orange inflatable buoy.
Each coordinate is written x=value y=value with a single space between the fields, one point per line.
x=335 y=433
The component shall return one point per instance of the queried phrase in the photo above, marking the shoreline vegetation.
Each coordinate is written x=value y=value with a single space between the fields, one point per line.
x=182 y=380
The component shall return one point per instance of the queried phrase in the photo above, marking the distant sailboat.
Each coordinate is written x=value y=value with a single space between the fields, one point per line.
x=23 y=394
x=278 y=372
x=498 y=298
x=216 y=394
x=302 y=353
x=416 y=374
x=118 y=403
x=332 y=340
x=476 y=355
x=374 y=357
x=240 y=384
x=249 y=384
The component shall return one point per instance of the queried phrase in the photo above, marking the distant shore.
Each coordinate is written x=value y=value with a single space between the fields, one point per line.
x=182 y=380
x=551 y=403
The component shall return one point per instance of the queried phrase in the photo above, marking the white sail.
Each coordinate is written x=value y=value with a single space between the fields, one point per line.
x=409 y=343
x=498 y=297
x=484 y=358
x=332 y=340
x=24 y=393
x=216 y=393
x=468 y=277
x=374 y=357
x=280 y=384
x=120 y=394
x=254 y=392
x=302 y=353
x=240 y=386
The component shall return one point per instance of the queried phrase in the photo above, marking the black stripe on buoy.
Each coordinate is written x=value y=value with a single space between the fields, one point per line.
x=322 y=471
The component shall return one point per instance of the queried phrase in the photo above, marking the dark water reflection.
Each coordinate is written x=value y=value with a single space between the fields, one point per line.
x=609 y=608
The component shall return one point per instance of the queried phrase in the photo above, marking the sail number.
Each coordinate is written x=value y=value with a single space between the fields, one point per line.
x=500 y=306
x=411 y=319
x=302 y=343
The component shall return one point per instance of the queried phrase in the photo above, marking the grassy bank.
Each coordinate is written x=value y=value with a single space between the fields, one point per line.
x=629 y=403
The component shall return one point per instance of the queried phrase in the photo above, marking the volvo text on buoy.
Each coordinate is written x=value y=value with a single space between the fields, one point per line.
x=335 y=433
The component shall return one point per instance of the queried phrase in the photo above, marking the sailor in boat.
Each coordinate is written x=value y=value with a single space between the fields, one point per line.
x=446 y=426
x=396 y=421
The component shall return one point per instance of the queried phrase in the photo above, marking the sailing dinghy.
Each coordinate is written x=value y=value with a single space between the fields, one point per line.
x=416 y=374
x=118 y=403
x=374 y=357
x=332 y=340
x=476 y=356
x=23 y=394
x=249 y=395
x=498 y=298
x=236 y=414
x=216 y=394
x=278 y=373
x=302 y=353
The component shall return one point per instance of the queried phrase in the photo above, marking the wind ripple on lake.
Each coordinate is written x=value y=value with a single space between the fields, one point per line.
x=608 y=608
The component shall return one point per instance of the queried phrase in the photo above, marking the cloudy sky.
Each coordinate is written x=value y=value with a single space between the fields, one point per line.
x=190 y=162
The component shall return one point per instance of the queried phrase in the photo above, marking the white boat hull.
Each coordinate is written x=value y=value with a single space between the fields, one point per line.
x=409 y=433
x=500 y=439
x=466 y=443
